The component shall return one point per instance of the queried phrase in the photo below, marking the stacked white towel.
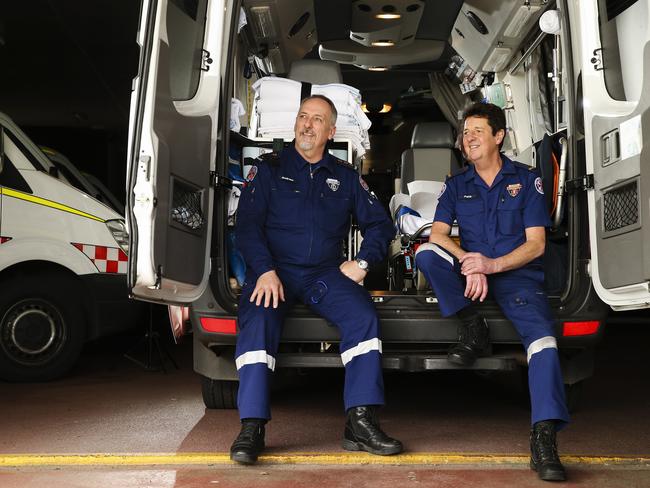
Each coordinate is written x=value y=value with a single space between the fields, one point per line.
x=277 y=100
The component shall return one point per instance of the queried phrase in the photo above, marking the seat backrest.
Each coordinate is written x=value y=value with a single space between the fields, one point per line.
x=315 y=71
x=431 y=156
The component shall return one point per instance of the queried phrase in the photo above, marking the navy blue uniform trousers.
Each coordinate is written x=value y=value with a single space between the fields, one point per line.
x=329 y=294
x=522 y=299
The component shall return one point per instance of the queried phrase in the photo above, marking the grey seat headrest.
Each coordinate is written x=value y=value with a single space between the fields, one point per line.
x=315 y=71
x=432 y=134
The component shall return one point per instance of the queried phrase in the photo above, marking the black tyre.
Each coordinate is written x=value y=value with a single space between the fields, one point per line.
x=219 y=394
x=41 y=327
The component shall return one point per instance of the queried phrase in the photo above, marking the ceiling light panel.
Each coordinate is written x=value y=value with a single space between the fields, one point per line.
x=385 y=20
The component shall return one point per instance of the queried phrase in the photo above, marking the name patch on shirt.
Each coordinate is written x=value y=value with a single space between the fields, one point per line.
x=286 y=178
x=333 y=183
x=469 y=197
x=514 y=189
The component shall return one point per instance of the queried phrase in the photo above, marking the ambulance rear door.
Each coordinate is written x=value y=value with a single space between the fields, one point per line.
x=173 y=131
x=615 y=64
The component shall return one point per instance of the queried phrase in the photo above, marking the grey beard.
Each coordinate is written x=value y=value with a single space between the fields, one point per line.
x=306 y=146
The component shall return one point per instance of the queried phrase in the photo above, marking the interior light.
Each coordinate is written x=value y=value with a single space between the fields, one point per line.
x=388 y=16
x=378 y=68
x=383 y=43
x=386 y=108
x=364 y=108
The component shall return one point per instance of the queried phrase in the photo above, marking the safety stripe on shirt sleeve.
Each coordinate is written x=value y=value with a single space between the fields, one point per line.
x=254 y=357
x=547 y=342
x=428 y=246
x=360 y=349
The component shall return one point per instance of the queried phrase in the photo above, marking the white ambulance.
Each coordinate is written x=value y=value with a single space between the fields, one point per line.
x=572 y=75
x=63 y=259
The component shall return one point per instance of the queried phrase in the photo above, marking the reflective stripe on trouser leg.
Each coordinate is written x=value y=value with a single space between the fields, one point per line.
x=527 y=307
x=257 y=344
x=349 y=306
x=442 y=272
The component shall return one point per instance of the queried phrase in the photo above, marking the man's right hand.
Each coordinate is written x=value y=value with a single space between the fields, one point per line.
x=268 y=287
x=476 y=287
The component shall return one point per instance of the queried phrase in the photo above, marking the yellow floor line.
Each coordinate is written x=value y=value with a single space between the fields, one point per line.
x=164 y=459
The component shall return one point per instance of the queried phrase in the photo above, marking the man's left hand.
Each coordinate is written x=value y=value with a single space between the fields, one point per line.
x=352 y=270
x=475 y=262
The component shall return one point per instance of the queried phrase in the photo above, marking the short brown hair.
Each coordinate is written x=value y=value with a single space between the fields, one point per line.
x=496 y=118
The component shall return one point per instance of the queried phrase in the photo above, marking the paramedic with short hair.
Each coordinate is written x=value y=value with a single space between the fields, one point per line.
x=501 y=213
x=293 y=216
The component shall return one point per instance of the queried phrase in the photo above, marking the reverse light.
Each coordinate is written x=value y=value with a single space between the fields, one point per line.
x=219 y=326
x=120 y=234
x=572 y=329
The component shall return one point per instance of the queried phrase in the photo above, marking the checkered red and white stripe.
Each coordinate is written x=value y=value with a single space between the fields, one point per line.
x=106 y=259
x=4 y=239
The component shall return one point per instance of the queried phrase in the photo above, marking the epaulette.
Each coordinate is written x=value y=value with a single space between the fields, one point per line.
x=523 y=166
x=343 y=162
x=459 y=171
x=271 y=158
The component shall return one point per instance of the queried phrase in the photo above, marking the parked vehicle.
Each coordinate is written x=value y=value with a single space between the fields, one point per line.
x=571 y=76
x=63 y=259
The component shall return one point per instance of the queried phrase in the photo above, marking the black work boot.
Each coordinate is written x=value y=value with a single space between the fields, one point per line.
x=362 y=433
x=543 y=452
x=473 y=340
x=249 y=443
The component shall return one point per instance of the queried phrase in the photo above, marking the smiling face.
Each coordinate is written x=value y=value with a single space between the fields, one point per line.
x=313 y=128
x=479 y=143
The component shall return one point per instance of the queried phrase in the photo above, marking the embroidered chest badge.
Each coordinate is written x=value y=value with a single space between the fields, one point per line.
x=333 y=183
x=514 y=189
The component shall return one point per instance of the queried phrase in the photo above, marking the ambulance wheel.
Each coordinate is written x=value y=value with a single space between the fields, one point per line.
x=219 y=394
x=41 y=328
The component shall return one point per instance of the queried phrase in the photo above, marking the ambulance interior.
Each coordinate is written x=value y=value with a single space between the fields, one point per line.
x=409 y=67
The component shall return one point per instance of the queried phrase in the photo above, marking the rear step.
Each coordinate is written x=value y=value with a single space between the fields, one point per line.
x=400 y=362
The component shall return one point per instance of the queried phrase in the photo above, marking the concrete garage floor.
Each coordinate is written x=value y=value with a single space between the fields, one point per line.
x=459 y=429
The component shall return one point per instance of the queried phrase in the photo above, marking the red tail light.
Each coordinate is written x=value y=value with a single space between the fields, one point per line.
x=580 y=328
x=219 y=326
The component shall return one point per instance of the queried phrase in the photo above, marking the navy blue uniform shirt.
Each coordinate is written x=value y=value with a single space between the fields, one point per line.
x=493 y=220
x=295 y=213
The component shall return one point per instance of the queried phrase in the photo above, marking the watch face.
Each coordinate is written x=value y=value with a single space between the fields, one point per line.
x=362 y=264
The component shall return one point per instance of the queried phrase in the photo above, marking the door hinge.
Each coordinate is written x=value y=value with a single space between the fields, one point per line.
x=220 y=181
x=583 y=183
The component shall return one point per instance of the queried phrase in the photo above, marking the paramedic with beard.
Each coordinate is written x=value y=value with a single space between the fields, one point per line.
x=501 y=213
x=293 y=216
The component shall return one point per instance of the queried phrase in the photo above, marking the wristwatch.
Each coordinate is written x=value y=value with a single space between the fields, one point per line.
x=363 y=264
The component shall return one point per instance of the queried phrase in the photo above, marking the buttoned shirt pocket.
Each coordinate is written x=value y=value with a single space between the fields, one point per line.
x=510 y=215
x=470 y=216
x=334 y=212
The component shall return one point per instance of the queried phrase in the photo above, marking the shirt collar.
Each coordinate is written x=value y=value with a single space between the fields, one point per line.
x=326 y=162
x=507 y=168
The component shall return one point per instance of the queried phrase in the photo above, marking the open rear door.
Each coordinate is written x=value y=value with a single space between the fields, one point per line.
x=615 y=64
x=173 y=130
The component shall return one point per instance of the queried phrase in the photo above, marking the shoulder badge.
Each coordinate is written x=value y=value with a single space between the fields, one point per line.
x=538 y=185
x=442 y=190
x=251 y=173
